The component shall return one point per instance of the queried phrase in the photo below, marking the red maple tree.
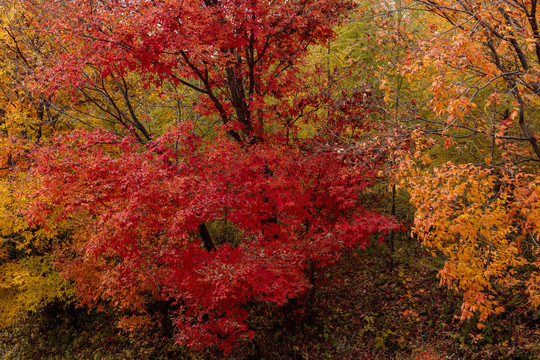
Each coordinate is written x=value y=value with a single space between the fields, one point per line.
x=142 y=204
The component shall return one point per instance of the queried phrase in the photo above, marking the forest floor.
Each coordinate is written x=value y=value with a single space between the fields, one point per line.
x=372 y=305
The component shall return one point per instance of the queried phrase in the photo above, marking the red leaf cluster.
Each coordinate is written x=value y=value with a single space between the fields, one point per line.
x=140 y=209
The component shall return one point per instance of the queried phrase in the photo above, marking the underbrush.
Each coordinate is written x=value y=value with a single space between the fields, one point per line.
x=372 y=305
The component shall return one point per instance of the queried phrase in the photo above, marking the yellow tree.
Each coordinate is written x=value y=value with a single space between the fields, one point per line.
x=28 y=278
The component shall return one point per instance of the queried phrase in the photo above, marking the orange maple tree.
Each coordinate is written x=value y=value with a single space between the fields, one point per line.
x=479 y=63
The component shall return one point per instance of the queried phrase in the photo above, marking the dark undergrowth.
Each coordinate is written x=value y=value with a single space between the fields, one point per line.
x=372 y=305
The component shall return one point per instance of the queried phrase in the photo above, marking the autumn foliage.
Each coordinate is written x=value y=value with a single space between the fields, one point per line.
x=473 y=97
x=182 y=162
x=132 y=213
x=141 y=208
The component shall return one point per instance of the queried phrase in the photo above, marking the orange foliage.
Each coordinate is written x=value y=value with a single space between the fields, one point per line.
x=486 y=224
x=476 y=64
